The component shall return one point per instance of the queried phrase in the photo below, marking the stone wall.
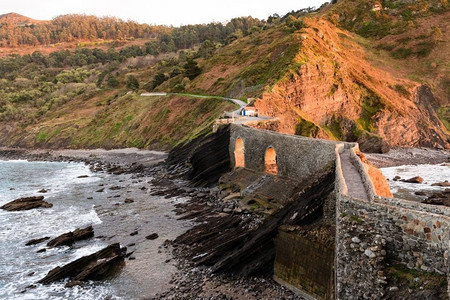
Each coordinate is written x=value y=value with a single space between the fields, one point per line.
x=297 y=157
x=305 y=260
x=370 y=233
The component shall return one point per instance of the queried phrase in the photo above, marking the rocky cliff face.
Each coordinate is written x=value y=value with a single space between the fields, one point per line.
x=335 y=93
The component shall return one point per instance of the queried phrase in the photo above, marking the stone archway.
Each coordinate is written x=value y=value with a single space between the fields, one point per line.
x=239 y=153
x=270 y=161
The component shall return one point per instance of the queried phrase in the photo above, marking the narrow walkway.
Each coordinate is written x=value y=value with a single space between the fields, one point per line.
x=352 y=178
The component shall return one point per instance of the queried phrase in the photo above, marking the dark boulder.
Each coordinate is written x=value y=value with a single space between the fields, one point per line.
x=26 y=204
x=96 y=266
x=152 y=236
x=71 y=237
x=36 y=241
x=443 y=184
x=416 y=179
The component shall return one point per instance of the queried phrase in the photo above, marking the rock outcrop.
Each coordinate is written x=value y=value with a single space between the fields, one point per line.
x=26 y=203
x=71 y=237
x=338 y=92
x=96 y=266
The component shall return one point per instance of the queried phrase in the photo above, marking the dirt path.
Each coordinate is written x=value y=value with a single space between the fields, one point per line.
x=352 y=178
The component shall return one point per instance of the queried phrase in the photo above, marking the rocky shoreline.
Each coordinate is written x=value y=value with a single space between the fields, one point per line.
x=188 y=280
x=408 y=156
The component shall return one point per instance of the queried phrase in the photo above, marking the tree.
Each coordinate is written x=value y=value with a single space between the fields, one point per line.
x=112 y=81
x=158 y=79
x=206 y=49
x=191 y=69
x=132 y=83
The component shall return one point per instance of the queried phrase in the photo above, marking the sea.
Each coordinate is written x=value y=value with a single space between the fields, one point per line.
x=22 y=266
x=430 y=174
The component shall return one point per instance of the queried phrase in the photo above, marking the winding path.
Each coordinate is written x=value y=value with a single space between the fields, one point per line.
x=231 y=114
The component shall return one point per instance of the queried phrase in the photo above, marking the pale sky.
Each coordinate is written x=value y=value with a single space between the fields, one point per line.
x=161 y=12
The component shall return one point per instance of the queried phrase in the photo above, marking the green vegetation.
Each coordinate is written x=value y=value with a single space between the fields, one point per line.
x=306 y=128
x=444 y=115
x=371 y=105
x=413 y=279
x=401 y=53
x=333 y=128
x=402 y=90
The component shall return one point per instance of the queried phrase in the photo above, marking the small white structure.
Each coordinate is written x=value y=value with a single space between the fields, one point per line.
x=249 y=111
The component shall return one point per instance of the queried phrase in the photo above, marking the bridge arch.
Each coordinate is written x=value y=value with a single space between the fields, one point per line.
x=270 y=161
x=239 y=153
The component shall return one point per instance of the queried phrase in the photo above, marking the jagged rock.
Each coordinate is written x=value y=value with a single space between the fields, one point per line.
x=152 y=236
x=416 y=179
x=26 y=204
x=397 y=178
x=444 y=184
x=83 y=176
x=439 y=198
x=91 y=267
x=207 y=155
x=43 y=191
x=373 y=144
x=128 y=200
x=69 y=238
x=36 y=241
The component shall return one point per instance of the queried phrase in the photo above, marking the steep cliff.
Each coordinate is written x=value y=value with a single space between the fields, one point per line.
x=336 y=93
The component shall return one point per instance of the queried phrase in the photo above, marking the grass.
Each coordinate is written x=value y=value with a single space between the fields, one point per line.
x=400 y=89
x=371 y=105
x=306 y=128
x=444 y=115
x=414 y=279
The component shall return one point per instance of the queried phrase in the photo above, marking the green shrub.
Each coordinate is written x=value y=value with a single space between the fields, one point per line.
x=401 y=53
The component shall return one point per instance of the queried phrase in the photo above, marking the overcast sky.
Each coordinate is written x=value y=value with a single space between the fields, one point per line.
x=168 y=12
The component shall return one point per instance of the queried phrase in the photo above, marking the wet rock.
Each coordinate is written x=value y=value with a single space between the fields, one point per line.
x=73 y=283
x=134 y=233
x=128 y=200
x=420 y=193
x=36 y=241
x=91 y=267
x=416 y=179
x=43 y=191
x=31 y=274
x=115 y=188
x=439 y=198
x=443 y=184
x=396 y=178
x=100 y=190
x=26 y=203
x=41 y=250
x=71 y=237
x=83 y=176
x=152 y=236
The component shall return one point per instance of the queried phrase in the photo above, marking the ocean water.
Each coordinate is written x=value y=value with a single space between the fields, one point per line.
x=20 y=265
x=430 y=174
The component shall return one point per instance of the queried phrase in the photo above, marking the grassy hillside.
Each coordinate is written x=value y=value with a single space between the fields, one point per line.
x=112 y=120
x=366 y=71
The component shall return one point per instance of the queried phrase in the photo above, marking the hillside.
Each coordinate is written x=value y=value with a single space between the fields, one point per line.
x=18 y=20
x=321 y=74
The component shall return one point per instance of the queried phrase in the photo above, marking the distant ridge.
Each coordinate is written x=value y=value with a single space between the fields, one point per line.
x=19 y=20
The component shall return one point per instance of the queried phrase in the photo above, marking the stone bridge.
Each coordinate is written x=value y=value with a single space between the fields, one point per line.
x=370 y=231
